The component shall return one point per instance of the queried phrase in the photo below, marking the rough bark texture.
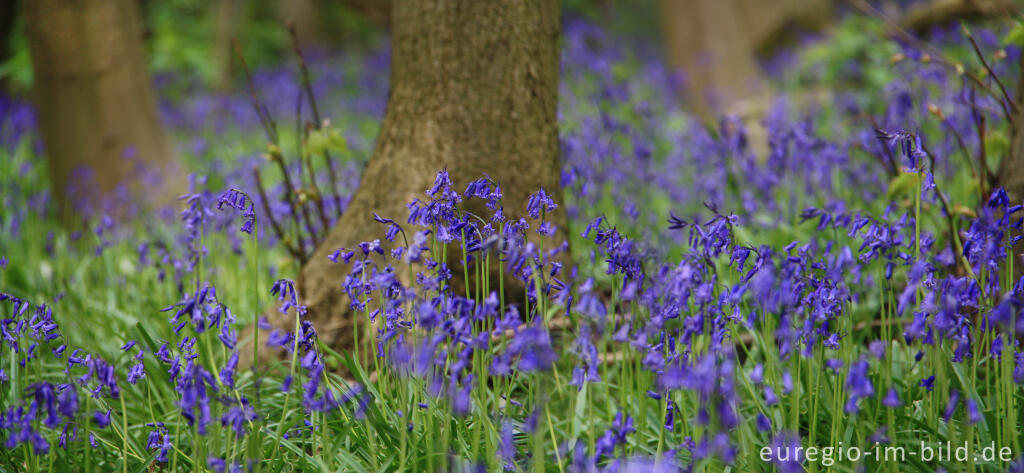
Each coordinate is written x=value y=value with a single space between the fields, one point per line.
x=473 y=89
x=707 y=40
x=96 y=104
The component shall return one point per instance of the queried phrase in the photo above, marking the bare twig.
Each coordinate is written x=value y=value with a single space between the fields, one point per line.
x=269 y=127
x=317 y=121
x=981 y=57
x=954 y=237
x=275 y=154
x=295 y=252
x=934 y=54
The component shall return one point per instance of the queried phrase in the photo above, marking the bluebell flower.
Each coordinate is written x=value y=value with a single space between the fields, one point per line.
x=238 y=200
x=954 y=401
x=539 y=202
x=102 y=418
x=859 y=384
x=891 y=399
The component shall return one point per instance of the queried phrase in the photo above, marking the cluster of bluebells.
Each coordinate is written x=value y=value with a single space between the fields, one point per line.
x=32 y=338
x=238 y=200
x=422 y=327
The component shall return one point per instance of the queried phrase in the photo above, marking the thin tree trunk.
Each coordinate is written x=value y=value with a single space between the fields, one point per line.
x=97 y=107
x=473 y=89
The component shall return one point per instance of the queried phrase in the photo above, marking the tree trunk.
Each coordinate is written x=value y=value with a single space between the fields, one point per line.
x=765 y=22
x=97 y=107
x=377 y=12
x=226 y=16
x=474 y=88
x=922 y=16
x=303 y=14
x=707 y=41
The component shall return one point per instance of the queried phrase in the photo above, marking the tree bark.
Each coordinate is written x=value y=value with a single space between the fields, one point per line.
x=765 y=22
x=304 y=15
x=377 y=12
x=922 y=16
x=474 y=89
x=96 y=104
x=707 y=41
x=226 y=16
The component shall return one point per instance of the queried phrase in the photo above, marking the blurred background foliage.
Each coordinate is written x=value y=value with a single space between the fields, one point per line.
x=182 y=35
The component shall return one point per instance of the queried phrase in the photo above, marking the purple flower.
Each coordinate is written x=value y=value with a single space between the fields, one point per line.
x=540 y=202
x=973 y=414
x=928 y=383
x=954 y=400
x=238 y=200
x=859 y=384
x=102 y=418
x=892 y=399
x=284 y=289
x=227 y=373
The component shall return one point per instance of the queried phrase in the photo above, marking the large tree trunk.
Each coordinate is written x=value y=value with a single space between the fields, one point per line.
x=377 y=12
x=766 y=21
x=226 y=17
x=304 y=15
x=474 y=89
x=715 y=42
x=706 y=39
x=96 y=104
x=922 y=16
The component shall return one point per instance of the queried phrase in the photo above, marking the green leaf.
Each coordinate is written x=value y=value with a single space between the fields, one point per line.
x=903 y=184
x=1015 y=36
x=996 y=143
x=579 y=414
x=326 y=139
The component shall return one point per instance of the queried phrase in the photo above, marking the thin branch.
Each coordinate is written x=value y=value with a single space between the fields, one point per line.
x=957 y=245
x=981 y=57
x=269 y=127
x=936 y=55
x=307 y=85
x=291 y=192
x=295 y=252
